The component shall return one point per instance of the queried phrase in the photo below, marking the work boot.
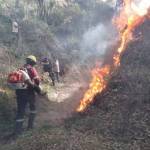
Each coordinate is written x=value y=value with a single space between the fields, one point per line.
x=31 y=121
x=17 y=131
x=53 y=83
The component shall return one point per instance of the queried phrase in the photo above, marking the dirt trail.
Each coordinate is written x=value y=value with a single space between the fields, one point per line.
x=62 y=101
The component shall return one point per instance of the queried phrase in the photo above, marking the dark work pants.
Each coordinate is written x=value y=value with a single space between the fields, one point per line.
x=57 y=76
x=25 y=97
x=52 y=76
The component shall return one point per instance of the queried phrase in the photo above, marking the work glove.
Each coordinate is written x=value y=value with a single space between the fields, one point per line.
x=37 y=89
x=43 y=93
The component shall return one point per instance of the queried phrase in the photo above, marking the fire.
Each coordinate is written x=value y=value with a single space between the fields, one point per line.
x=129 y=18
x=98 y=84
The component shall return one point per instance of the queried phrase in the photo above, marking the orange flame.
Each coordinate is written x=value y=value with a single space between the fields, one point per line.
x=126 y=22
x=97 y=85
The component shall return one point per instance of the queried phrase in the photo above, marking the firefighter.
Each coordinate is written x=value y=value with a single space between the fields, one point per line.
x=26 y=95
x=57 y=69
x=15 y=27
x=48 y=67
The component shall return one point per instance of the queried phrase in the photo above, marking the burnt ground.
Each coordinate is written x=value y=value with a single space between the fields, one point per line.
x=121 y=112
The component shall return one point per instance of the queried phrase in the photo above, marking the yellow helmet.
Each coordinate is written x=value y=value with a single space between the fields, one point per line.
x=33 y=58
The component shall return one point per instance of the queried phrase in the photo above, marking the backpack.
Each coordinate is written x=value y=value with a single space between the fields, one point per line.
x=16 y=79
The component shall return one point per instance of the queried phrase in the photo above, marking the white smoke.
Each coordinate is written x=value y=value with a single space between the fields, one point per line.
x=97 y=40
x=111 y=2
x=140 y=6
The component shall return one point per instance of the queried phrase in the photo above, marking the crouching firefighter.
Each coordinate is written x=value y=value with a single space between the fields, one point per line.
x=26 y=86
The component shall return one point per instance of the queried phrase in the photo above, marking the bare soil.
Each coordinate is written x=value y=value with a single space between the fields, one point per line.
x=60 y=103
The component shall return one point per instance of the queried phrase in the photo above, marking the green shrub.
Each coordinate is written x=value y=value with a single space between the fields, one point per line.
x=6 y=111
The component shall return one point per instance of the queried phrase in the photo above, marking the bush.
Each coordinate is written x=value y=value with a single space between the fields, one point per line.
x=6 y=111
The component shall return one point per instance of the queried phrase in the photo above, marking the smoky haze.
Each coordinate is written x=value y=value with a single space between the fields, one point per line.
x=99 y=38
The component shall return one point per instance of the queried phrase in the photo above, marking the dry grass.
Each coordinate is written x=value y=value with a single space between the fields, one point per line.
x=118 y=120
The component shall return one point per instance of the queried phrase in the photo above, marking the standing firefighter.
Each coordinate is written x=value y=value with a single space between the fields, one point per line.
x=48 y=67
x=57 y=69
x=15 y=27
x=15 y=31
x=26 y=82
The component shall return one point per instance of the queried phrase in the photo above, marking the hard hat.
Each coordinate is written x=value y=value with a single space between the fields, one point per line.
x=33 y=58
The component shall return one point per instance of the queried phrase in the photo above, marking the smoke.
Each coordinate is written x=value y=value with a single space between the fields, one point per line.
x=140 y=6
x=97 y=40
x=110 y=2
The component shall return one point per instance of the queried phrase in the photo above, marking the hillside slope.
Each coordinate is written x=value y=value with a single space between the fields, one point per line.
x=119 y=118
